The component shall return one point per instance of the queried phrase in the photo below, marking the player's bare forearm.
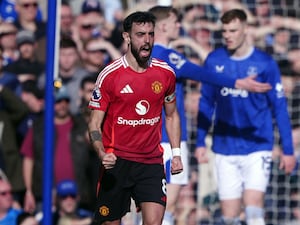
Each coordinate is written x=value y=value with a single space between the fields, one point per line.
x=96 y=140
x=173 y=125
x=95 y=122
x=108 y=160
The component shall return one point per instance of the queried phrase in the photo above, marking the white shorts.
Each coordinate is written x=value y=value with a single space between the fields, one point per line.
x=237 y=173
x=181 y=178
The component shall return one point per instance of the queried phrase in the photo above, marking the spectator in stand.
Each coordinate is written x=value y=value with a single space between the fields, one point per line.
x=91 y=23
x=97 y=54
x=33 y=97
x=293 y=56
x=213 y=10
x=8 y=42
x=27 y=67
x=280 y=46
x=190 y=46
x=262 y=11
x=263 y=16
x=9 y=81
x=8 y=213
x=67 y=20
x=70 y=153
x=70 y=71
x=86 y=89
x=12 y=113
x=67 y=211
x=26 y=18
x=14 y=117
x=190 y=13
x=27 y=11
x=9 y=14
x=201 y=34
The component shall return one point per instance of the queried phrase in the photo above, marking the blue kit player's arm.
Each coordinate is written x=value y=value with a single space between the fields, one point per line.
x=279 y=106
x=186 y=69
x=205 y=113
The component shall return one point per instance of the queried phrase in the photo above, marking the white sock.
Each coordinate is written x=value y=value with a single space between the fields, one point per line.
x=256 y=221
x=168 y=219
x=254 y=215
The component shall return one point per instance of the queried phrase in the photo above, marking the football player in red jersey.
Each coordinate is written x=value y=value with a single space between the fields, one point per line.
x=125 y=127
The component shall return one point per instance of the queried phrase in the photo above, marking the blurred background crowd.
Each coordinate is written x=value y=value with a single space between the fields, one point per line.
x=90 y=37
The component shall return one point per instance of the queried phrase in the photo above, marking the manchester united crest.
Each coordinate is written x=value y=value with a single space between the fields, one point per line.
x=104 y=210
x=156 y=87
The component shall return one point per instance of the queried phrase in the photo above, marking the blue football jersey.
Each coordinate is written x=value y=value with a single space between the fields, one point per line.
x=243 y=122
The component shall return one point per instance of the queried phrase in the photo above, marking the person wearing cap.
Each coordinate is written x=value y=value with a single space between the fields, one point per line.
x=8 y=42
x=91 y=6
x=67 y=210
x=25 y=37
x=110 y=25
x=70 y=157
x=27 y=67
x=90 y=23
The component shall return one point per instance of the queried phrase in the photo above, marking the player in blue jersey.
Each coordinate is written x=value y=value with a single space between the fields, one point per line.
x=243 y=123
x=166 y=30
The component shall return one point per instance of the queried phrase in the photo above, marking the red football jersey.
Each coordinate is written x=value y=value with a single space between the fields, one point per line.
x=133 y=104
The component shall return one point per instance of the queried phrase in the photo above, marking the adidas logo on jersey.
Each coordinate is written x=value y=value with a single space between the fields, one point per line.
x=126 y=90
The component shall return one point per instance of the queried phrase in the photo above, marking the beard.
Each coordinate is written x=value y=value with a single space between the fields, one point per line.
x=142 y=61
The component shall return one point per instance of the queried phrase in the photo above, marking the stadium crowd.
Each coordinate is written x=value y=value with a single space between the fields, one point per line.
x=90 y=38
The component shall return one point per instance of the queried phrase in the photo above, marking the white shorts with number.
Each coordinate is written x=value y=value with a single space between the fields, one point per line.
x=181 y=178
x=239 y=172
